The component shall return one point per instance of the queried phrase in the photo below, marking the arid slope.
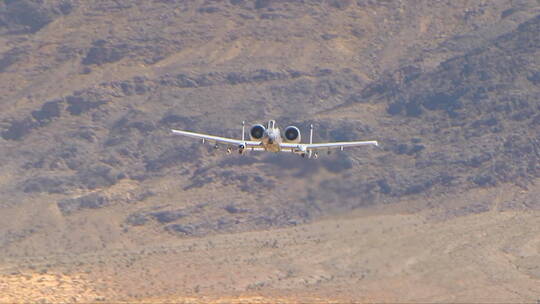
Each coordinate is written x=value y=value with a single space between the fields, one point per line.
x=90 y=173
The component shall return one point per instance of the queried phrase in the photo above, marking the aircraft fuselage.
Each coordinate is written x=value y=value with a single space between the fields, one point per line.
x=271 y=139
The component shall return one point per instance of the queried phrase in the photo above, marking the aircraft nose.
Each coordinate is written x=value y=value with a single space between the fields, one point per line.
x=271 y=138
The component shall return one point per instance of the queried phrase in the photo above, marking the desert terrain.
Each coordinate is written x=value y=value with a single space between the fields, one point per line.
x=99 y=202
x=376 y=255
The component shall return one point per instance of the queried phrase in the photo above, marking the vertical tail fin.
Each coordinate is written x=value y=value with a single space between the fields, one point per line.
x=243 y=130
x=311 y=134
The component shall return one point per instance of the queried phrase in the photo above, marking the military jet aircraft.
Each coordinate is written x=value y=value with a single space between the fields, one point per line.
x=269 y=139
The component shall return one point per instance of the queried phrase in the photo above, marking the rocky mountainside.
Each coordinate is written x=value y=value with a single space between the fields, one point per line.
x=90 y=90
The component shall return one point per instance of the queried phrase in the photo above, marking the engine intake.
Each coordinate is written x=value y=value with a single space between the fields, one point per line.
x=257 y=132
x=292 y=134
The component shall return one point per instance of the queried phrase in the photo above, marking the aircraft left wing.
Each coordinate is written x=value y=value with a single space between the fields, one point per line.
x=332 y=145
x=218 y=139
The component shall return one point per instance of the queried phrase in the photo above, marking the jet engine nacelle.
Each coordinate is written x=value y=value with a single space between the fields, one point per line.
x=291 y=134
x=256 y=132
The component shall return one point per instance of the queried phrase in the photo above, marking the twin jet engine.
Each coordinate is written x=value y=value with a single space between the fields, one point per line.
x=257 y=132
x=291 y=134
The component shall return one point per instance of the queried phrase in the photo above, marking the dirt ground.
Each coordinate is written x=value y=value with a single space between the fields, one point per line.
x=376 y=255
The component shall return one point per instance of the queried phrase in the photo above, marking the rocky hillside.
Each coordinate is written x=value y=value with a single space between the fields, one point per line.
x=90 y=89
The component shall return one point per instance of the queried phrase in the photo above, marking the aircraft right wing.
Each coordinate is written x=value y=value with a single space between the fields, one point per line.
x=218 y=139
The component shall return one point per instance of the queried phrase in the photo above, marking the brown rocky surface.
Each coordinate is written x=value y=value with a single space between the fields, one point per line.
x=381 y=254
x=93 y=185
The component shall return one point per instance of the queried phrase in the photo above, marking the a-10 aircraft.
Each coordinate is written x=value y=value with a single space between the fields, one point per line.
x=269 y=139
